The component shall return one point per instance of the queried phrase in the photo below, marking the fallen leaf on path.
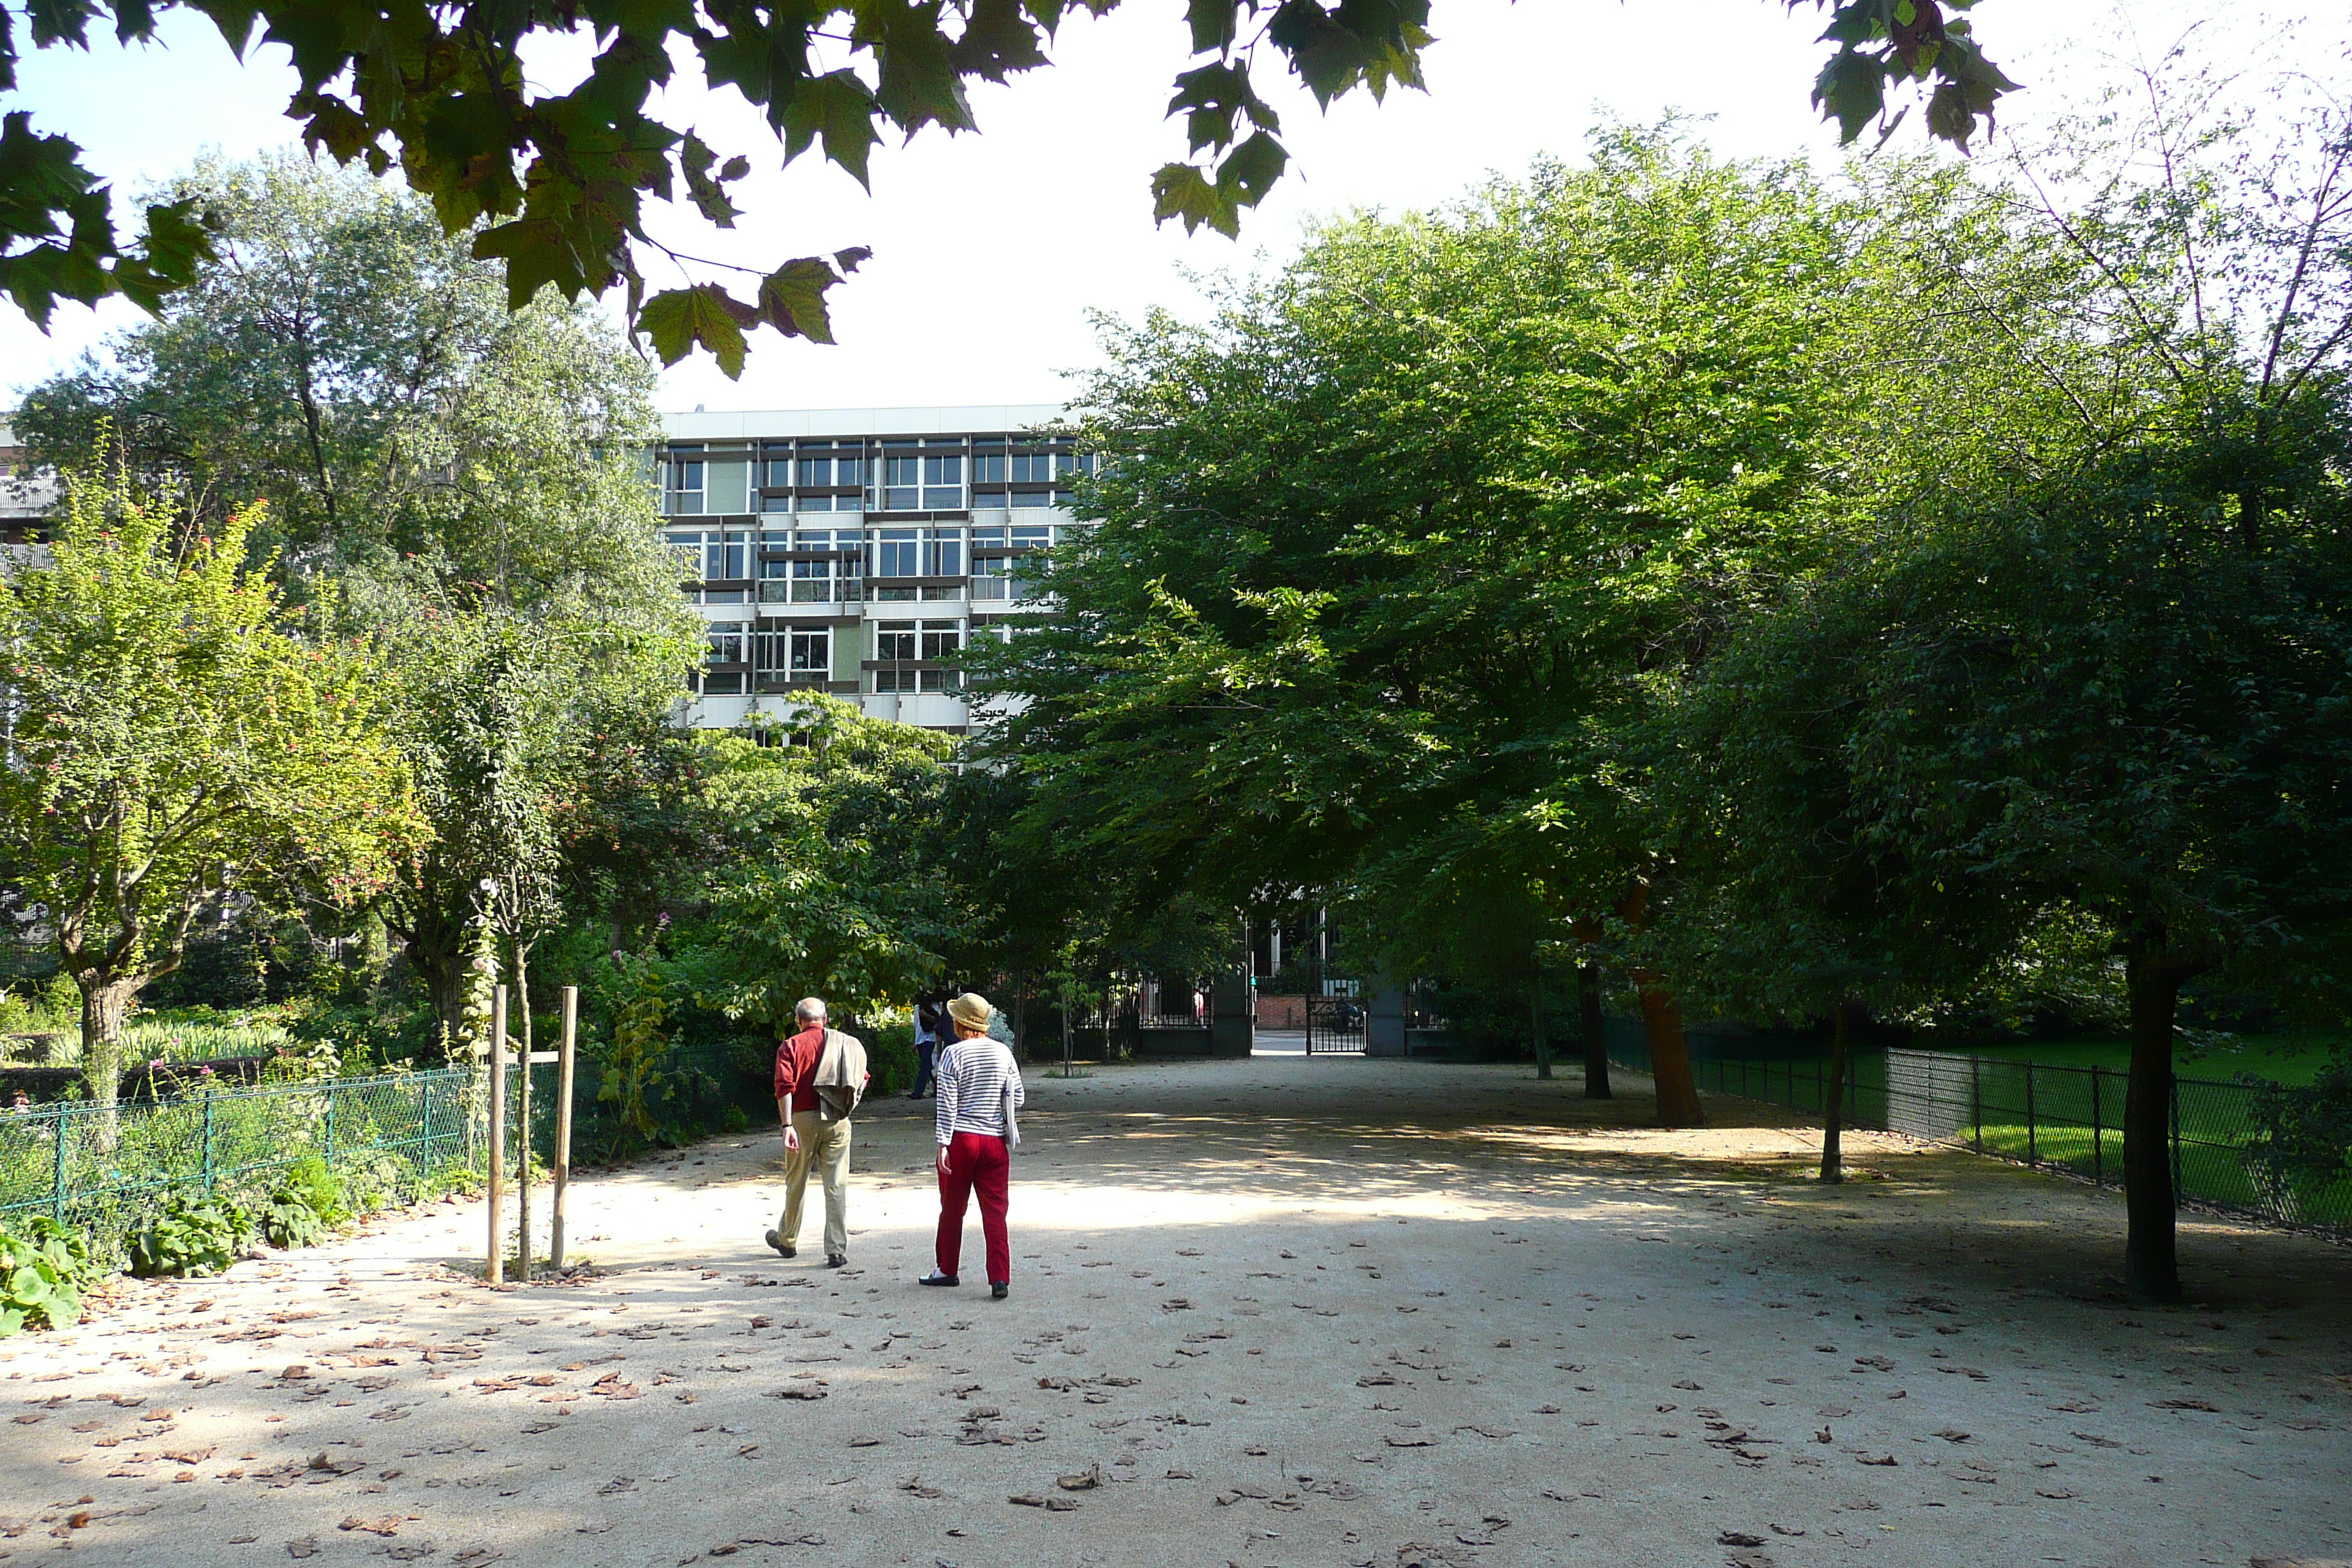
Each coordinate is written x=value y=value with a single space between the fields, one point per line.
x=308 y=1546
x=1738 y=1538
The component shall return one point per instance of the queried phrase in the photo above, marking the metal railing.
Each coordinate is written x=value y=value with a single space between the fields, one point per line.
x=90 y=1165
x=2066 y=1118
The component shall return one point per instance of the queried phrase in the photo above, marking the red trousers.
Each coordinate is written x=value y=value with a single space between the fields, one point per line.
x=976 y=1163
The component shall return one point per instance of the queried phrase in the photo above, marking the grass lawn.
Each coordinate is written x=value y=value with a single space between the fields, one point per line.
x=2287 y=1058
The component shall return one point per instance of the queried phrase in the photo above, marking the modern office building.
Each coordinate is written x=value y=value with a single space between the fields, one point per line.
x=856 y=550
x=27 y=492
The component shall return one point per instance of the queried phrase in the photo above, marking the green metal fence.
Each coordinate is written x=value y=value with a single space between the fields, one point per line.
x=88 y=1164
x=2065 y=1118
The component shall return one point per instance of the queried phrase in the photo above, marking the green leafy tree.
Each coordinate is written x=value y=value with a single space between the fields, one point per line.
x=1406 y=547
x=179 y=740
x=474 y=479
x=2086 y=680
x=508 y=721
x=2153 y=740
x=812 y=877
x=556 y=181
x=353 y=366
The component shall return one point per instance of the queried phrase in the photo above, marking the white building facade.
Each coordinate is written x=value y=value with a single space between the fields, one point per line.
x=857 y=550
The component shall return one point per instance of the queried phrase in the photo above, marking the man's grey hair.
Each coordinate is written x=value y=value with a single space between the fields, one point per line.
x=808 y=1010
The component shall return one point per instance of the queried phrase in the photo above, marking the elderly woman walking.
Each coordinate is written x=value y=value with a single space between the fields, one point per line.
x=979 y=1092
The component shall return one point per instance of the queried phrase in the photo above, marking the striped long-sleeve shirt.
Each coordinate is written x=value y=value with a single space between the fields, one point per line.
x=975 y=1077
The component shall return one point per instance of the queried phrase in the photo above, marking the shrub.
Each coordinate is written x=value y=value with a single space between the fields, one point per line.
x=191 y=1238
x=311 y=1179
x=286 y=1219
x=890 y=1057
x=44 y=1268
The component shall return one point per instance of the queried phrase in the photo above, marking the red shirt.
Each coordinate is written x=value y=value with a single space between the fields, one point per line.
x=796 y=1061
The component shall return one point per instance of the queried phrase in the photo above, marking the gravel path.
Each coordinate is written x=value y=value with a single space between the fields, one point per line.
x=1280 y=1312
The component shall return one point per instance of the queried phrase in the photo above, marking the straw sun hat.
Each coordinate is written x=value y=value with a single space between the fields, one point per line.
x=971 y=1010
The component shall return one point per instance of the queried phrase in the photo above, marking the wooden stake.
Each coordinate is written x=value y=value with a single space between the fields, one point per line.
x=498 y=1260
x=563 y=1119
x=522 y=1142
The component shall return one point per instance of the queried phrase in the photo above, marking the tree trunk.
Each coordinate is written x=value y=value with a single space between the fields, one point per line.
x=1662 y=1025
x=1670 y=1063
x=103 y=1005
x=2152 y=983
x=1536 y=1022
x=1596 y=1037
x=439 y=940
x=1834 y=1098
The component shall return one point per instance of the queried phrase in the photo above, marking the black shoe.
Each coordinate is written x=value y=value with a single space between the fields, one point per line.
x=936 y=1277
x=836 y=1260
x=781 y=1245
x=999 y=1289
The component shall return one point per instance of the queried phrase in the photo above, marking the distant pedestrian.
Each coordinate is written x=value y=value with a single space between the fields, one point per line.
x=820 y=1077
x=927 y=1046
x=977 y=1129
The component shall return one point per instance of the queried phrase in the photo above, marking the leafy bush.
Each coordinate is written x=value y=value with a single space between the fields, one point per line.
x=890 y=1057
x=286 y=1219
x=316 y=1185
x=191 y=1238
x=44 y=1268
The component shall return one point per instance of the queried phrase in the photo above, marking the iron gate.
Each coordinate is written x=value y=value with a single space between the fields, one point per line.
x=1335 y=1027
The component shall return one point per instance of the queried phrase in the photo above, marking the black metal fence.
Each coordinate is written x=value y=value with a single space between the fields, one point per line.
x=2226 y=1152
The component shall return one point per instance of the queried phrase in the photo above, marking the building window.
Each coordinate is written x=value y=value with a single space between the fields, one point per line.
x=686 y=487
x=895 y=640
x=812 y=582
x=1035 y=535
x=894 y=679
x=724 y=642
x=941 y=639
x=943 y=483
x=898 y=552
x=811 y=653
x=989 y=578
x=943 y=553
x=987 y=467
x=901 y=484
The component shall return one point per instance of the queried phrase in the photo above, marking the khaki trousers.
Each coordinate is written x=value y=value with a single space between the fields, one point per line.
x=825 y=1145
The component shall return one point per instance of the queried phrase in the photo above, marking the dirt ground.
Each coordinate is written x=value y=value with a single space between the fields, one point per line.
x=1277 y=1312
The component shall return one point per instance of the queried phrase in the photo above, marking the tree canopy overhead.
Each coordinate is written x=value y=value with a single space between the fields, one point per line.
x=553 y=185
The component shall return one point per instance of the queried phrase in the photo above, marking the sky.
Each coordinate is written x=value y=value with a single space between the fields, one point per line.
x=991 y=251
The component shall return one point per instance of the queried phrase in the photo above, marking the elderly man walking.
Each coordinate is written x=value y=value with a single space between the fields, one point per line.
x=979 y=1090
x=820 y=1077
